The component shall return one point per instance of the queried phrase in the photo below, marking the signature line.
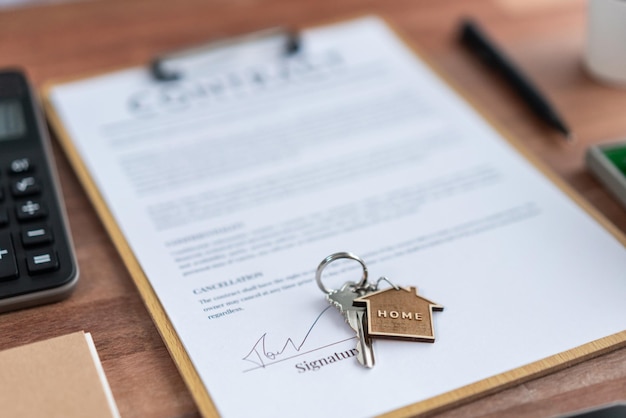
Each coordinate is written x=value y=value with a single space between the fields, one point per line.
x=298 y=355
x=259 y=354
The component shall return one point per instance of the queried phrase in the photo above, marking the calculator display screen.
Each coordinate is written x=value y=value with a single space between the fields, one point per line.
x=12 y=121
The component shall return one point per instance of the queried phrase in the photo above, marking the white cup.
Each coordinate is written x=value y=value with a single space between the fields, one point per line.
x=606 y=41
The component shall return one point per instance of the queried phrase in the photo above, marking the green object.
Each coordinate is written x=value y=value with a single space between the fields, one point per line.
x=617 y=156
x=608 y=163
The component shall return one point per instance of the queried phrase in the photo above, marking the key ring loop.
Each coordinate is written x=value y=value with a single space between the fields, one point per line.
x=336 y=256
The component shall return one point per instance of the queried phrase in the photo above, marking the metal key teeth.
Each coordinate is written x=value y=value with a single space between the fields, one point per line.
x=335 y=303
x=342 y=298
x=355 y=317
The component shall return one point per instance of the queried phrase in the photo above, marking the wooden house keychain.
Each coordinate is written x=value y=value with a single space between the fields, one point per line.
x=393 y=313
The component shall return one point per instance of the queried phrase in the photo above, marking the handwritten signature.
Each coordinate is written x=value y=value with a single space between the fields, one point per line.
x=261 y=356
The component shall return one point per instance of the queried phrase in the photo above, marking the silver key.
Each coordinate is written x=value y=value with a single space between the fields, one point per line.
x=357 y=319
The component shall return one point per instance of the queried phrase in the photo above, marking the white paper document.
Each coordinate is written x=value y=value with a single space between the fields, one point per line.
x=232 y=185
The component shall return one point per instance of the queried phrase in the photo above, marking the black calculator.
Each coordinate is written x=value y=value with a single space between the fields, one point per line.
x=37 y=260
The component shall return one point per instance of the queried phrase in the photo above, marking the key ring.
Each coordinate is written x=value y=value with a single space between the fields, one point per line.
x=362 y=284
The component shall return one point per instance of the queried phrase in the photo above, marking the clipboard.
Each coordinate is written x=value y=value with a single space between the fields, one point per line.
x=433 y=404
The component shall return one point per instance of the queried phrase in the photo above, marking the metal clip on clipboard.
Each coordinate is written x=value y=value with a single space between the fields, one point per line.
x=159 y=64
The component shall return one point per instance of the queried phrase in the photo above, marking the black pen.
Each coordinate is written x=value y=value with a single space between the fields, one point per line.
x=477 y=42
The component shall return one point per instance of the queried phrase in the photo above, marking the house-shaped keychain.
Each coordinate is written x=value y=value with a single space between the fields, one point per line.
x=399 y=313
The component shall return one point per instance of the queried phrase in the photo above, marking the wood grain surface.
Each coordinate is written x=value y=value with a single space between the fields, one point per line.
x=546 y=39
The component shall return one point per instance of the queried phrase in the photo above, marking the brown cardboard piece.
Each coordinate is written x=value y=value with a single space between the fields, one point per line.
x=59 y=377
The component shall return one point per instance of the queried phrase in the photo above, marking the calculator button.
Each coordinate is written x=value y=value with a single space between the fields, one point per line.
x=41 y=261
x=36 y=235
x=25 y=186
x=8 y=266
x=21 y=165
x=4 y=217
x=31 y=209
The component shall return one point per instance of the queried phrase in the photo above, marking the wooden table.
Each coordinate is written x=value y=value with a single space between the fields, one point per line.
x=546 y=38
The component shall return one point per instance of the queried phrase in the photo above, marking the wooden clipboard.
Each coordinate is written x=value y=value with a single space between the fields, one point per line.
x=438 y=403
